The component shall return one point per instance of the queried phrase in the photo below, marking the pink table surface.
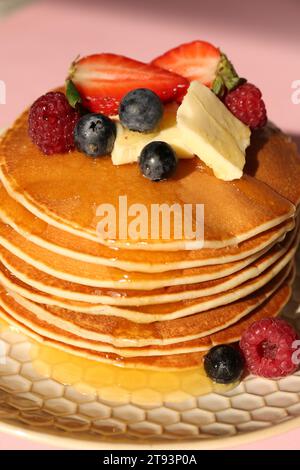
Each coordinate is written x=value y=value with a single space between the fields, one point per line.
x=262 y=38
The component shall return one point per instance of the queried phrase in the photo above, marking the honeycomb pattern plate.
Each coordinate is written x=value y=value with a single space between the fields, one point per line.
x=35 y=403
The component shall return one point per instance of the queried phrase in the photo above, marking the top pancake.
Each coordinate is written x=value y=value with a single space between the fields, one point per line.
x=65 y=190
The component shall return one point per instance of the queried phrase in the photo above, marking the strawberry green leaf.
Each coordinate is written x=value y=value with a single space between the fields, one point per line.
x=218 y=87
x=72 y=94
x=226 y=76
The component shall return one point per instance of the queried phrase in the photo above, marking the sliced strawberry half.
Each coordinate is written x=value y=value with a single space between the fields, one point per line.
x=197 y=60
x=103 y=79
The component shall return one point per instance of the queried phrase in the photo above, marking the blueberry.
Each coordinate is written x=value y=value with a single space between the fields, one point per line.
x=224 y=364
x=141 y=110
x=157 y=161
x=95 y=134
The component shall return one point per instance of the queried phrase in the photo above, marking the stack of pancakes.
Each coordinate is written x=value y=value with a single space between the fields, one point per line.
x=144 y=303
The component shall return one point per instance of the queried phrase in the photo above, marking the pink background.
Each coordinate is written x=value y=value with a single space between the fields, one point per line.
x=262 y=38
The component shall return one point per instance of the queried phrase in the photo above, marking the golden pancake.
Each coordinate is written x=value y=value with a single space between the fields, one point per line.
x=65 y=190
x=93 y=275
x=184 y=308
x=78 y=337
x=181 y=303
x=263 y=271
x=120 y=332
x=171 y=362
x=64 y=243
x=26 y=278
x=138 y=298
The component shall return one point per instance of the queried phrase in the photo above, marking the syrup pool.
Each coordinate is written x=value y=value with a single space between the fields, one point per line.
x=116 y=383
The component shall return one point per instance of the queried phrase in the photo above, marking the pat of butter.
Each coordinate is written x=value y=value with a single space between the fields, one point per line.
x=129 y=145
x=210 y=131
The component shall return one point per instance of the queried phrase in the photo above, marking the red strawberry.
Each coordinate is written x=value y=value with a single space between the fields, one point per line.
x=197 y=60
x=104 y=79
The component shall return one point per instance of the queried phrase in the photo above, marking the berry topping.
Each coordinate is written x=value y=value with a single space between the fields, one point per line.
x=268 y=348
x=224 y=364
x=51 y=123
x=157 y=161
x=197 y=60
x=246 y=103
x=95 y=135
x=141 y=110
x=104 y=79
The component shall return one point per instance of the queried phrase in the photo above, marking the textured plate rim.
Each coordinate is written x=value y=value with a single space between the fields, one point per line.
x=71 y=442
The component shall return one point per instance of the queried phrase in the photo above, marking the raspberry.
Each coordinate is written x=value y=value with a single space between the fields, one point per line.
x=246 y=103
x=268 y=348
x=51 y=123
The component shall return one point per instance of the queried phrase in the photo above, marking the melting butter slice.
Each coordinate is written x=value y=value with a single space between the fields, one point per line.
x=129 y=145
x=210 y=131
